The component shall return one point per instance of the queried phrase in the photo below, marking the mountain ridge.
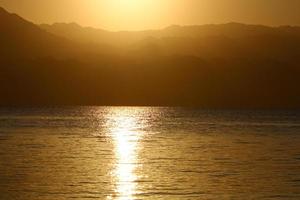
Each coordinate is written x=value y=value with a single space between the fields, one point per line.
x=256 y=68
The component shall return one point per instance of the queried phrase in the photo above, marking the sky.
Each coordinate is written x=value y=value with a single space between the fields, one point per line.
x=154 y=14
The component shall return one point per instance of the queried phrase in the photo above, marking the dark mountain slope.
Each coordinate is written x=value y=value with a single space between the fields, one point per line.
x=20 y=38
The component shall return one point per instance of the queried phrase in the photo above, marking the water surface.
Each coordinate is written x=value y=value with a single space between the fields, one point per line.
x=148 y=153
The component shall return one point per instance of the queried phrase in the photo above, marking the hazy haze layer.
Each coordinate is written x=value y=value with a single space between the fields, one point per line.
x=152 y=14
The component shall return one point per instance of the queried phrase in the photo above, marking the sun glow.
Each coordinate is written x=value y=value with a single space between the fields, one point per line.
x=135 y=14
x=129 y=6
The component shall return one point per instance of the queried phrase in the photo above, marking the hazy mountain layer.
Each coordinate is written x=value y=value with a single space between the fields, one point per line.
x=213 y=66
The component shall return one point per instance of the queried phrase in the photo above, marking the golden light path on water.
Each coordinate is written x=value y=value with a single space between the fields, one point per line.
x=124 y=126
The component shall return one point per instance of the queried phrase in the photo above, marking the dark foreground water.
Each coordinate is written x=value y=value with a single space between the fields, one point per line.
x=148 y=153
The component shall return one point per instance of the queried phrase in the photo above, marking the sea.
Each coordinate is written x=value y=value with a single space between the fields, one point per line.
x=137 y=153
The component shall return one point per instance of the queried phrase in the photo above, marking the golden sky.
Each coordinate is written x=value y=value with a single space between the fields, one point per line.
x=153 y=14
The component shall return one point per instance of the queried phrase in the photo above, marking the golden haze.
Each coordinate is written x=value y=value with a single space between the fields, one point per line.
x=152 y=14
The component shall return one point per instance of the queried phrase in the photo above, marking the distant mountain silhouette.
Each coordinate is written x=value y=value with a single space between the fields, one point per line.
x=20 y=38
x=207 y=41
x=212 y=66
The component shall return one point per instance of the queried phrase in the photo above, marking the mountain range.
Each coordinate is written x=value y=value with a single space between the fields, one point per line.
x=210 y=66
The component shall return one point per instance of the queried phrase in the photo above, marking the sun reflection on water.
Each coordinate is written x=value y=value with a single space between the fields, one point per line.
x=123 y=125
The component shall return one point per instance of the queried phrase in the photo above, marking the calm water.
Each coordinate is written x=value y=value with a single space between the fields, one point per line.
x=148 y=153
